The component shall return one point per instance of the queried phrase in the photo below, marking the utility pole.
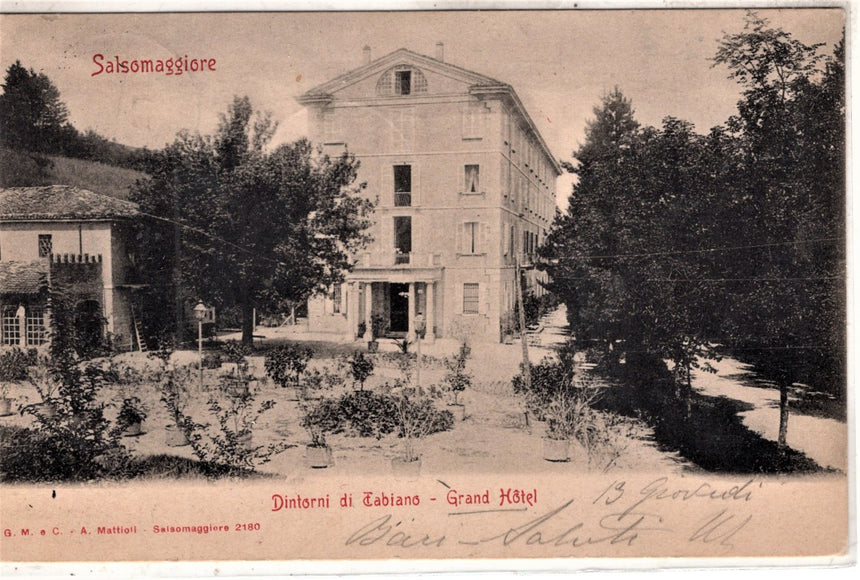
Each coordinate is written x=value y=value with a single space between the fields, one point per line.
x=527 y=371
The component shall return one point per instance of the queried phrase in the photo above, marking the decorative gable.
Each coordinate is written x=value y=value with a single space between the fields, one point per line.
x=400 y=73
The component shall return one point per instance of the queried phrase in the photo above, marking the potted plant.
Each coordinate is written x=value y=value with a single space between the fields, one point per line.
x=360 y=367
x=131 y=416
x=568 y=417
x=378 y=327
x=362 y=329
x=417 y=418
x=317 y=421
x=457 y=380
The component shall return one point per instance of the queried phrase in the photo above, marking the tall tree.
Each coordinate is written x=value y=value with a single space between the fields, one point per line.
x=620 y=257
x=591 y=226
x=251 y=227
x=790 y=131
x=32 y=116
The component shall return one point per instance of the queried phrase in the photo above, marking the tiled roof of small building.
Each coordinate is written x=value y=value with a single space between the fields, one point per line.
x=59 y=202
x=23 y=277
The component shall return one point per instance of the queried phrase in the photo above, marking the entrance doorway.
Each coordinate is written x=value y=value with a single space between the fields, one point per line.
x=398 y=295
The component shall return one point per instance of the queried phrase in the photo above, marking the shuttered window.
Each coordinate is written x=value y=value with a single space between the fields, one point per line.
x=471 y=292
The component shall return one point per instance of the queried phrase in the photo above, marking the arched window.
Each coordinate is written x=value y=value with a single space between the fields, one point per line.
x=401 y=80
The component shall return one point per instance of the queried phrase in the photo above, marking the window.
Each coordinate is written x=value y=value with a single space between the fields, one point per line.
x=35 y=326
x=45 y=245
x=472 y=183
x=336 y=298
x=402 y=239
x=470 y=298
x=402 y=185
x=403 y=129
x=470 y=238
x=402 y=82
x=329 y=127
x=10 y=326
x=473 y=120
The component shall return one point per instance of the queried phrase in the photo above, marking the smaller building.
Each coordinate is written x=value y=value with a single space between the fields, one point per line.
x=66 y=237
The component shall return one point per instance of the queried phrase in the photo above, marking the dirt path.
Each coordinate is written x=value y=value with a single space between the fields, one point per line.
x=822 y=440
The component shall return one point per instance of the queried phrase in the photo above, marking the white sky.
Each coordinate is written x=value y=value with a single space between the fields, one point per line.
x=559 y=62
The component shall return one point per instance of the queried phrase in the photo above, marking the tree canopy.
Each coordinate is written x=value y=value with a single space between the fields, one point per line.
x=32 y=116
x=246 y=226
x=673 y=240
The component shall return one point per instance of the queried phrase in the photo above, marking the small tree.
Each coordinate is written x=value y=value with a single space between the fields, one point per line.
x=456 y=378
x=360 y=367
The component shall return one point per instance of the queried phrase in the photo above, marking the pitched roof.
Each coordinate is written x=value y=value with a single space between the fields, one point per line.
x=23 y=277
x=390 y=59
x=61 y=202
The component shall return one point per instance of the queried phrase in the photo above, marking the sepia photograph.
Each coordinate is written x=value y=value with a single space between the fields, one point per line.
x=440 y=285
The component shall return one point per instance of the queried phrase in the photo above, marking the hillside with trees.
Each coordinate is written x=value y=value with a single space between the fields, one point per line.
x=39 y=146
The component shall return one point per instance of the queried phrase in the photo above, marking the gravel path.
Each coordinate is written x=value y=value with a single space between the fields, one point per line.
x=822 y=440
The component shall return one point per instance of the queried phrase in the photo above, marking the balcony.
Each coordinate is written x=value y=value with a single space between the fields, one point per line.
x=402 y=199
x=390 y=259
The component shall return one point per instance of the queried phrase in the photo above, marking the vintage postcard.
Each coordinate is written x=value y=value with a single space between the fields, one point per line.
x=565 y=287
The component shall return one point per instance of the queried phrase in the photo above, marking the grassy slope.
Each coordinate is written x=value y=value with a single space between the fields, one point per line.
x=21 y=169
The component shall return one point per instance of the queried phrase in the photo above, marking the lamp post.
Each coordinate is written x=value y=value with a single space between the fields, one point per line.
x=420 y=328
x=200 y=314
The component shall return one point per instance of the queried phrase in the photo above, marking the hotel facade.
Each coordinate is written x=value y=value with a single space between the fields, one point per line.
x=464 y=187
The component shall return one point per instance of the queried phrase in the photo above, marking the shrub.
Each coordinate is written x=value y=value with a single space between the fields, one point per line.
x=132 y=411
x=548 y=378
x=320 y=419
x=174 y=395
x=228 y=441
x=76 y=442
x=14 y=364
x=324 y=379
x=212 y=361
x=52 y=454
x=371 y=414
x=417 y=416
x=363 y=414
x=568 y=415
x=286 y=363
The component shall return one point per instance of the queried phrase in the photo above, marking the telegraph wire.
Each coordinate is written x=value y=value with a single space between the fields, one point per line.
x=592 y=257
x=703 y=250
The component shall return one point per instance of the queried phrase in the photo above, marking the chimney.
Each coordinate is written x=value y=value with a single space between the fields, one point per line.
x=440 y=52
x=366 y=54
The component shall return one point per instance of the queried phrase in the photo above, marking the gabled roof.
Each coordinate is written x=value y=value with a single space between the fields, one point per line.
x=399 y=56
x=23 y=277
x=61 y=202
